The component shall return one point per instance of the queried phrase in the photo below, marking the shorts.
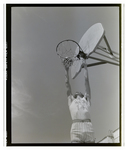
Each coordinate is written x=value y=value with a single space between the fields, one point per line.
x=82 y=132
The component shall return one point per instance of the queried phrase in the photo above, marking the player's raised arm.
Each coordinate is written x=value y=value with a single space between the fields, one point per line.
x=87 y=85
x=67 y=63
x=67 y=83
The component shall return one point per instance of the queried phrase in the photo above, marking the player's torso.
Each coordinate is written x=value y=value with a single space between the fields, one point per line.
x=79 y=109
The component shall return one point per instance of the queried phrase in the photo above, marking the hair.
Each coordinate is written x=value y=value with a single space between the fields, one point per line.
x=78 y=94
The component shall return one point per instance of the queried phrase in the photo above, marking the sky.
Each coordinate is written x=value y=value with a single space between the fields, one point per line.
x=40 y=112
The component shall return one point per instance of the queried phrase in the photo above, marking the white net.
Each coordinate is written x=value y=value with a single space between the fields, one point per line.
x=67 y=48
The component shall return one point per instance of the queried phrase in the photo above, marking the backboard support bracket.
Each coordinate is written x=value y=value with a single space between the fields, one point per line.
x=103 y=61
x=109 y=48
x=95 y=64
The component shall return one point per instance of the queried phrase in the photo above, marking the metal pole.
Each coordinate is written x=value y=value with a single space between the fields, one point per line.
x=103 y=60
x=106 y=56
x=106 y=51
x=94 y=64
x=106 y=41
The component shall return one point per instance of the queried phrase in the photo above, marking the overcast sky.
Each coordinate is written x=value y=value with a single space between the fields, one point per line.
x=40 y=112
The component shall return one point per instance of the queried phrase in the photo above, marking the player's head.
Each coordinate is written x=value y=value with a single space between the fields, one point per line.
x=78 y=94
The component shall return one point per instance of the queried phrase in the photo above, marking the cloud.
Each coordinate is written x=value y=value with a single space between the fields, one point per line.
x=21 y=100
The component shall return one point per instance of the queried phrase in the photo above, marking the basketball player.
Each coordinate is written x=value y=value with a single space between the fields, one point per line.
x=79 y=105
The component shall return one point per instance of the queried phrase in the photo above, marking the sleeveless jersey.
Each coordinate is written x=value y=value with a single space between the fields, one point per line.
x=79 y=108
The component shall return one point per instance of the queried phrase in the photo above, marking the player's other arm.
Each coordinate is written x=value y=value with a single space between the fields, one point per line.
x=69 y=93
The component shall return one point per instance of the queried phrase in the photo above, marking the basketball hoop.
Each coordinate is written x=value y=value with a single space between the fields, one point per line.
x=68 y=49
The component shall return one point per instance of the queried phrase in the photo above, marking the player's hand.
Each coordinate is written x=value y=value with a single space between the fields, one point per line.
x=67 y=62
x=83 y=64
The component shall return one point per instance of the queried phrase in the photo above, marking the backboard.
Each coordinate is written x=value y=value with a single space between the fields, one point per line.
x=92 y=38
x=88 y=43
